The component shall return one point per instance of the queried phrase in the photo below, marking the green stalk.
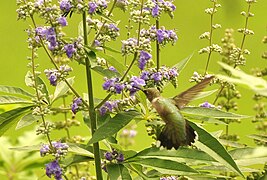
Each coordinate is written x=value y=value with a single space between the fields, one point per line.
x=157 y=46
x=92 y=113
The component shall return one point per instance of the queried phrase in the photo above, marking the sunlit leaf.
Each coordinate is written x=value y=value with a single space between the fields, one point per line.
x=207 y=143
x=76 y=159
x=13 y=100
x=112 y=61
x=8 y=118
x=165 y=166
x=118 y=171
x=62 y=88
x=257 y=84
x=27 y=120
x=14 y=90
x=181 y=65
x=113 y=125
x=105 y=72
x=211 y=112
x=111 y=49
x=42 y=86
x=183 y=154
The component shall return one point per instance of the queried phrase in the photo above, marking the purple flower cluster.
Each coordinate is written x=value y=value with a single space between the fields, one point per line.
x=129 y=45
x=58 y=149
x=113 y=85
x=98 y=5
x=157 y=7
x=70 y=50
x=152 y=76
x=135 y=84
x=65 y=5
x=50 y=36
x=108 y=106
x=162 y=35
x=169 y=178
x=114 y=155
x=55 y=75
x=75 y=105
x=53 y=169
x=206 y=105
x=143 y=59
x=62 y=21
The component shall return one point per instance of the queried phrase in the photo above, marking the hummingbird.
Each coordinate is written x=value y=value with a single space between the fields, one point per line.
x=177 y=131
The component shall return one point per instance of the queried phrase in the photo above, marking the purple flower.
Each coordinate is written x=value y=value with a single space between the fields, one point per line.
x=44 y=149
x=144 y=57
x=155 y=11
x=145 y=75
x=53 y=79
x=112 y=68
x=171 y=6
x=108 y=106
x=157 y=76
x=120 y=157
x=118 y=88
x=62 y=21
x=173 y=72
x=109 y=83
x=108 y=156
x=65 y=5
x=137 y=82
x=92 y=7
x=53 y=168
x=38 y=3
x=206 y=105
x=161 y=35
x=97 y=43
x=70 y=50
x=113 y=27
x=75 y=105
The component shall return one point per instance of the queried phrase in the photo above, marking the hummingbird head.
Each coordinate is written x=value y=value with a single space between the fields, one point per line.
x=151 y=93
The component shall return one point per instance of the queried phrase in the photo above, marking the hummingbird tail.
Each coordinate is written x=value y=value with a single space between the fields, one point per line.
x=169 y=137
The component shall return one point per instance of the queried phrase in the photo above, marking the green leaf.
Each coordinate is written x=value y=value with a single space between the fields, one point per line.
x=181 y=65
x=13 y=100
x=79 y=150
x=183 y=154
x=113 y=125
x=105 y=17
x=165 y=166
x=62 y=88
x=207 y=143
x=27 y=120
x=257 y=84
x=42 y=86
x=118 y=171
x=249 y=156
x=112 y=61
x=76 y=159
x=211 y=112
x=112 y=50
x=8 y=118
x=14 y=90
x=105 y=72
x=258 y=137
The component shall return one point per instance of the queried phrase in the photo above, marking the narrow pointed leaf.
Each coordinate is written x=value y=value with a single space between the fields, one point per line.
x=182 y=154
x=13 y=100
x=8 y=118
x=165 y=166
x=27 y=120
x=118 y=171
x=62 y=88
x=112 y=50
x=105 y=72
x=207 y=143
x=79 y=150
x=14 y=90
x=43 y=88
x=113 y=125
x=76 y=159
x=112 y=61
x=181 y=65
x=211 y=112
x=258 y=137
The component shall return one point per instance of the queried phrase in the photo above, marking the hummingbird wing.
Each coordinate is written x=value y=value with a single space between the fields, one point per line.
x=185 y=97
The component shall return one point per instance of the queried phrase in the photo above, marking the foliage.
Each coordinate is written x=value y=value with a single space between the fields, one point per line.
x=183 y=148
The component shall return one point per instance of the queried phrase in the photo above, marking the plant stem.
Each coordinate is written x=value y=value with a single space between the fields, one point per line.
x=92 y=113
x=157 y=46
x=210 y=38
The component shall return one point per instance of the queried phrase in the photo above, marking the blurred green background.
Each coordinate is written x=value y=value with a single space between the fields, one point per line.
x=190 y=21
